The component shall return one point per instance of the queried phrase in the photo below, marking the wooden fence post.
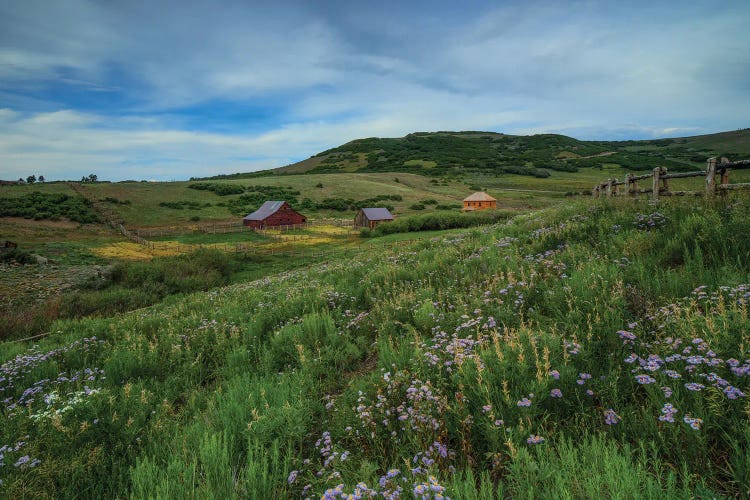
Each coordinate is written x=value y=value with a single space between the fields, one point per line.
x=724 y=174
x=711 y=176
x=609 y=187
x=655 y=184
x=665 y=182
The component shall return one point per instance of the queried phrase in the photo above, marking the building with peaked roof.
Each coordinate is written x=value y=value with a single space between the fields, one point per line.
x=479 y=201
x=274 y=214
x=371 y=217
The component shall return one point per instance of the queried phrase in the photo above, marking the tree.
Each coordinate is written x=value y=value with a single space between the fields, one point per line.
x=92 y=178
x=41 y=178
x=21 y=181
x=31 y=179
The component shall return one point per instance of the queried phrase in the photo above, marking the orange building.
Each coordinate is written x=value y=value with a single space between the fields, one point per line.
x=479 y=201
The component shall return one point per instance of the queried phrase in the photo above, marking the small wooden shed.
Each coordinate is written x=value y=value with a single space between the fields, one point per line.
x=479 y=201
x=274 y=214
x=371 y=217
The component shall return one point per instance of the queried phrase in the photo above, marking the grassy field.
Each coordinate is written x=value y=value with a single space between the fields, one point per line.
x=598 y=348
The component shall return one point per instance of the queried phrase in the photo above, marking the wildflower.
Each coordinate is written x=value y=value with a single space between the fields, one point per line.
x=556 y=393
x=486 y=408
x=499 y=423
x=292 y=476
x=693 y=386
x=524 y=402
x=667 y=413
x=554 y=374
x=22 y=461
x=645 y=379
x=733 y=392
x=695 y=423
x=533 y=439
x=610 y=417
x=626 y=335
x=589 y=392
x=667 y=391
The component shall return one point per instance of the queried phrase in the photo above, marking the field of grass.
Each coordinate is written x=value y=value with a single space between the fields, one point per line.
x=594 y=349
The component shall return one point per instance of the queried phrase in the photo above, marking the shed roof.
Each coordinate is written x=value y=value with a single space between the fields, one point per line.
x=480 y=196
x=378 y=213
x=266 y=209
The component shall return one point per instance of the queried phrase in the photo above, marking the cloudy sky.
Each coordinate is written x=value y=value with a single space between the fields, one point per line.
x=152 y=89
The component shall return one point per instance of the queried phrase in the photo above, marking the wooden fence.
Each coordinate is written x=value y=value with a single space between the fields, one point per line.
x=660 y=178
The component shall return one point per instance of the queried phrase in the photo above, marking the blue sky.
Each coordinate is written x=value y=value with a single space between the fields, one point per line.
x=173 y=89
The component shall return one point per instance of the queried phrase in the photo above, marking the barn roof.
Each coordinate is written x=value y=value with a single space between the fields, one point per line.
x=480 y=196
x=266 y=210
x=377 y=214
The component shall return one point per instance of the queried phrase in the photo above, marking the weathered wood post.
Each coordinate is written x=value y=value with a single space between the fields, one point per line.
x=665 y=182
x=595 y=191
x=655 y=184
x=711 y=176
x=609 y=187
x=724 y=173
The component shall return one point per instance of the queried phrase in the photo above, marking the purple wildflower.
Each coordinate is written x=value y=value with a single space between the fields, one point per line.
x=292 y=476
x=645 y=379
x=667 y=413
x=694 y=386
x=556 y=393
x=695 y=423
x=610 y=417
x=554 y=374
x=533 y=439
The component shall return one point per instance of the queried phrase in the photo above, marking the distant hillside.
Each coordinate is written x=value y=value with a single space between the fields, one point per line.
x=453 y=153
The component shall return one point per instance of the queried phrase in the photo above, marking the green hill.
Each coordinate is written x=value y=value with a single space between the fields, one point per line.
x=489 y=153
x=597 y=349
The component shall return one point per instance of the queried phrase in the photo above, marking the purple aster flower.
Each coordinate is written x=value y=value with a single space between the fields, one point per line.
x=556 y=393
x=695 y=423
x=554 y=374
x=610 y=417
x=667 y=413
x=733 y=392
x=694 y=386
x=524 y=402
x=645 y=379
x=667 y=391
x=292 y=476
x=533 y=439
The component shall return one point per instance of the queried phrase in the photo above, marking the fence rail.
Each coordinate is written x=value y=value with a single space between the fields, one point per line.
x=660 y=181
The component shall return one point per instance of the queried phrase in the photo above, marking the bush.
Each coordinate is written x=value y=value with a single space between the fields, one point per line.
x=441 y=220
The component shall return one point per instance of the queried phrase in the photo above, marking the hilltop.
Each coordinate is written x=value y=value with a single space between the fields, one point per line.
x=491 y=153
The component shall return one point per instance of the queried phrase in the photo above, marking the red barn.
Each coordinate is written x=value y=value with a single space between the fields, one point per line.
x=274 y=214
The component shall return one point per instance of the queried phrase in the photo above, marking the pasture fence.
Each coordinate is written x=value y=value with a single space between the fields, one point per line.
x=660 y=178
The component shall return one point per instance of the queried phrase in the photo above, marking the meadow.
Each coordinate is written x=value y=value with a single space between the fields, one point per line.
x=593 y=349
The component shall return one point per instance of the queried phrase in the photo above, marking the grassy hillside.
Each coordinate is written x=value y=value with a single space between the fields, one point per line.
x=489 y=153
x=598 y=349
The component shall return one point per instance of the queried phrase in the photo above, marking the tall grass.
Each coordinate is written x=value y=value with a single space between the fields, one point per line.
x=510 y=360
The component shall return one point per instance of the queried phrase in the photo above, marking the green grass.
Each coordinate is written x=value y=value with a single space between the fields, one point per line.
x=229 y=391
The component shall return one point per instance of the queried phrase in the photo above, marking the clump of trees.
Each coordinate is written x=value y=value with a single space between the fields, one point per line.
x=52 y=206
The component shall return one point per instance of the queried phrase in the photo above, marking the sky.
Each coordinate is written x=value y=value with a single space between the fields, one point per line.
x=167 y=90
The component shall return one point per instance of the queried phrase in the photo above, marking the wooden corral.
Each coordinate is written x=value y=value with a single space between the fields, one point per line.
x=660 y=181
